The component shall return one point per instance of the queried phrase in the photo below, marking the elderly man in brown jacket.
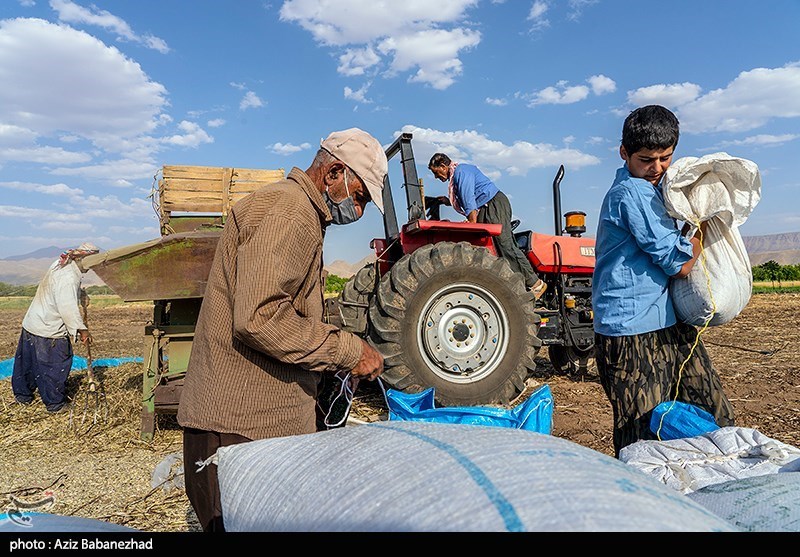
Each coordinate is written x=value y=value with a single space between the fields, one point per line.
x=260 y=345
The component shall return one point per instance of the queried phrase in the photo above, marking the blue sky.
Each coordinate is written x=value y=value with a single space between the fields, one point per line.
x=97 y=96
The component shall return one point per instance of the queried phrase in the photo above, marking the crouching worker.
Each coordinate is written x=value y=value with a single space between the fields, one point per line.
x=644 y=355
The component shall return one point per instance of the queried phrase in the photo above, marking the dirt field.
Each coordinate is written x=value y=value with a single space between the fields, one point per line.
x=104 y=471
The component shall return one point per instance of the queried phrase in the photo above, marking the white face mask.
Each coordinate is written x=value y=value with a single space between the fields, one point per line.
x=344 y=211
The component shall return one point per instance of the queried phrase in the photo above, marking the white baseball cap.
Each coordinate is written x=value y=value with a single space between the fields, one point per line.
x=364 y=155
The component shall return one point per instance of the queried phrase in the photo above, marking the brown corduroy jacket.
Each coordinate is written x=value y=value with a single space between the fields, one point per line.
x=260 y=343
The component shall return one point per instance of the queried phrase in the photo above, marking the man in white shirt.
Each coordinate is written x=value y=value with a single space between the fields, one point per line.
x=44 y=354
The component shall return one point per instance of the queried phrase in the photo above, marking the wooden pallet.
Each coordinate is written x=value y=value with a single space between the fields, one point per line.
x=193 y=197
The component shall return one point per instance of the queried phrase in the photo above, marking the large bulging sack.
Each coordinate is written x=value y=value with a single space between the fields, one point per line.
x=722 y=190
x=692 y=463
x=432 y=477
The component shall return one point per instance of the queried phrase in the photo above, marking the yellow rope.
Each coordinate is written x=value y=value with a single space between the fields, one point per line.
x=700 y=332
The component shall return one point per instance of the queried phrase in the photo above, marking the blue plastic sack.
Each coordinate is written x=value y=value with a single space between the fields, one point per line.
x=534 y=414
x=78 y=363
x=680 y=420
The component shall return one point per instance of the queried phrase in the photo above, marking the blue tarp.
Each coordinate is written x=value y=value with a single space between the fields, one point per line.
x=78 y=363
x=534 y=414
x=680 y=420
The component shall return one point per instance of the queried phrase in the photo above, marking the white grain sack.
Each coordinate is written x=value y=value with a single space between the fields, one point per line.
x=428 y=476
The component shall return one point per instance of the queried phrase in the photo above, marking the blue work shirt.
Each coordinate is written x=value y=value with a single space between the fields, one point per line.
x=638 y=248
x=473 y=188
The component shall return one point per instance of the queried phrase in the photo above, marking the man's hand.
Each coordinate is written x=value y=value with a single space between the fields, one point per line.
x=370 y=365
x=85 y=336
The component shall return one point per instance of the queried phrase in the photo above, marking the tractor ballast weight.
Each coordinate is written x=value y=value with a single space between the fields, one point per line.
x=446 y=312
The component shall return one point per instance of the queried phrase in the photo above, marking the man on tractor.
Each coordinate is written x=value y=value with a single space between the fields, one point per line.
x=472 y=194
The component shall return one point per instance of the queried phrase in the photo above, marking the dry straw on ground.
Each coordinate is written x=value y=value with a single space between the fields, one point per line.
x=96 y=470
x=104 y=470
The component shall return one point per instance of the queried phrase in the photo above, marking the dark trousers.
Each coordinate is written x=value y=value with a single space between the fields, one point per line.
x=498 y=211
x=44 y=364
x=639 y=372
x=202 y=488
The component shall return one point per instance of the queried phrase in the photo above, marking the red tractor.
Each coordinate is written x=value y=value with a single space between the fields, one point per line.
x=446 y=312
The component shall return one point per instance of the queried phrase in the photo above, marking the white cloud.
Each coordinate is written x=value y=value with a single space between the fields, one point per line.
x=763 y=140
x=111 y=207
x=359 y=95
x=27 y=3
x=32 y=213
x=671 y=96
x=286 y=149
x=216 y=123
x=559 y=94
x=413 y=34
x=563 y=93
x=111 y=170
x=601 y=84
x=576 y=8
x=70 y=12
x=68 y=83
x=193 y=135
x=43 y=155
x=54 y=189
x=494 y=156
x=355 y=61
x=537 y=15
x=250 y=100
x=16 y=135
x=364 y=21
x=239 y=86
x=62 y=228
x=434 y=52
x=496 y=102
x=750 y=101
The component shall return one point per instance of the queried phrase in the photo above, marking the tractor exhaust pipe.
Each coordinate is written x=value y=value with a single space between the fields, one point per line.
x=557 y=199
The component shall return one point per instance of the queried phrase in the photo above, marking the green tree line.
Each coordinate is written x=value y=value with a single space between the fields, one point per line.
x=30 y=289
x=772 y=272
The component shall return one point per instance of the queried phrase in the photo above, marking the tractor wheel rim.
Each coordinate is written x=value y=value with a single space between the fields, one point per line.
x=463 y=333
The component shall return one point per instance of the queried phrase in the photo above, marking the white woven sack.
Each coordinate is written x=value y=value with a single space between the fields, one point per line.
x=768 y=503
x=725 y=454
x=722 y=190
x=430 y=476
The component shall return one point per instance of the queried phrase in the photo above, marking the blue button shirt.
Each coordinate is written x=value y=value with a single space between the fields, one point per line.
x=473 y=188
x=638 y=248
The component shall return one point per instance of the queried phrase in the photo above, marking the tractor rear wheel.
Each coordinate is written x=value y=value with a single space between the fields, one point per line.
x=568 y=360
x=454 y=317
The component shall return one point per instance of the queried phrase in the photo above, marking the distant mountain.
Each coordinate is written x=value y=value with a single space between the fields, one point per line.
x=784 y=249
x=29 y=268
x=50 y=252
x=346 y=270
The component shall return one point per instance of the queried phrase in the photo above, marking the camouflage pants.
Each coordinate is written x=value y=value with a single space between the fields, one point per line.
x=639 y=372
